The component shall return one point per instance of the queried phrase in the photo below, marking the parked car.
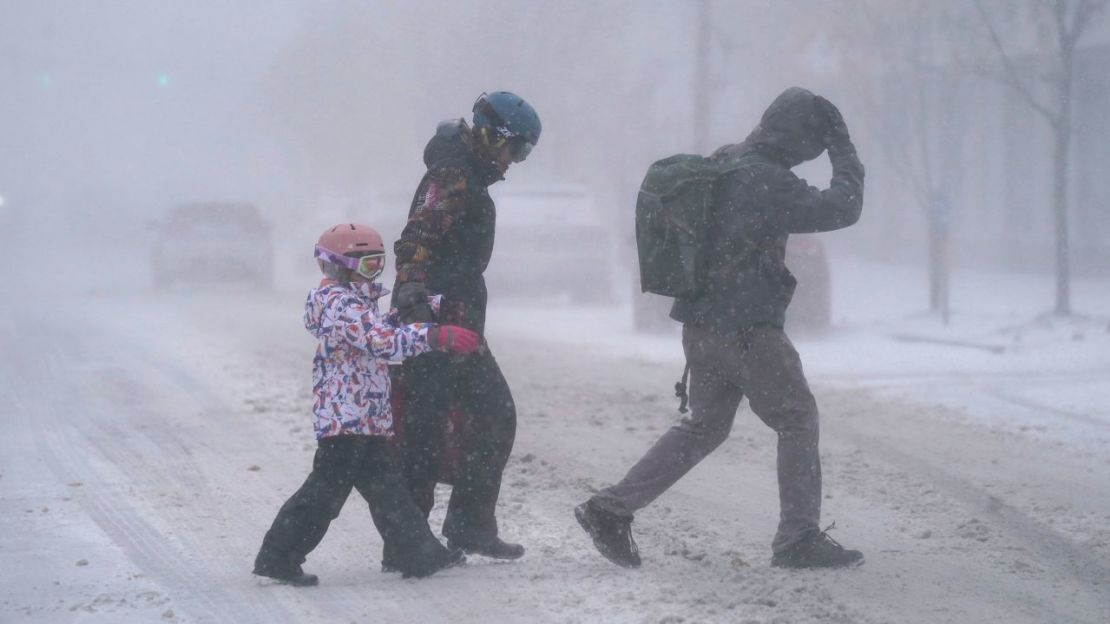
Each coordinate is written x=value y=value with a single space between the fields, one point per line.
x=551 y=241
x=810 y=310
x=213 y=242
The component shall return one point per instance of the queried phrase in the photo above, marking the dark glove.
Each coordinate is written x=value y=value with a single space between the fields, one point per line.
x=412 y=303
x=836 y=131
x=453 y=339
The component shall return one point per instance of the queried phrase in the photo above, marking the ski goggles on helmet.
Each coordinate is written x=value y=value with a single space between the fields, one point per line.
x=519 y=148
x=369 y=266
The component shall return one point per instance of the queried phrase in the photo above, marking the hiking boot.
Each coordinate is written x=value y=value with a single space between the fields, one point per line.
x=447 y=558
x=288 y=574
x=612 y=534
x=494 y=548
x=817 y=550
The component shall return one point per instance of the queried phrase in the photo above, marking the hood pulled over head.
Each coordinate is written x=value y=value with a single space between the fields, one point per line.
x=454 y=140
x=791 y=129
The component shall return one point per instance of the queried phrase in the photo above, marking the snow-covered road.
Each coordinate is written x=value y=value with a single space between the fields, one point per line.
x=150 y=439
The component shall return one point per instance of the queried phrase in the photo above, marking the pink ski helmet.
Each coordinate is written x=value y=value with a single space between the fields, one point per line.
x=352 y=246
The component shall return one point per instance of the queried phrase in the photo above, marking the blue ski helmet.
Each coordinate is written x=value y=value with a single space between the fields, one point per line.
x=507 y=116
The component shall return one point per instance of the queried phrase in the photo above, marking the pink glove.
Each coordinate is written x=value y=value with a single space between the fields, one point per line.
x=453 y=338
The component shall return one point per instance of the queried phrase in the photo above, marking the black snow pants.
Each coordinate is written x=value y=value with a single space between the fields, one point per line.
x=434 y=382
x=365 y=463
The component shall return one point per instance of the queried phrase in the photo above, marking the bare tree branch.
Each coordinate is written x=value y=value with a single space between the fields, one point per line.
x=1084 y=13
x=908 y=152
x=1079 y=18
x=1014 y=80
x=1065 y=38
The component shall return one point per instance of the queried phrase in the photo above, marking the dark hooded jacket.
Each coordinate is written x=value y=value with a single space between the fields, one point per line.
x=758 y=206
x=448 y=240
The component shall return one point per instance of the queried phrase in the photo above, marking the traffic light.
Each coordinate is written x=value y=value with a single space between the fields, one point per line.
x=163 y=79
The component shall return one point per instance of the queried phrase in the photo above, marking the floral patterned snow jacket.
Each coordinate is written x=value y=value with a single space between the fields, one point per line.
x=350 y=373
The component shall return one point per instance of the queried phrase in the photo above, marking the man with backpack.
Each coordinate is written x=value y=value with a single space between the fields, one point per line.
x=444 y=249
x=712 y=233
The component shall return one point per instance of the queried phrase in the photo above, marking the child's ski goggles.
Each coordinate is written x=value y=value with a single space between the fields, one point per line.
x=369 y=266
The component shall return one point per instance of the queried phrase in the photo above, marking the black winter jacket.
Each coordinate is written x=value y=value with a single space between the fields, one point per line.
x=758 y=207
x=449 y=236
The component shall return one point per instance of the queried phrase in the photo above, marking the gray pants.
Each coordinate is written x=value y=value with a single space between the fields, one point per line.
x=762 y=363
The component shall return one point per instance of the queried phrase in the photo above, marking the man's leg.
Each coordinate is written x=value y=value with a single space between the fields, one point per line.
x=305 y=517
x=485 y=396
x=779 y=394
x=413 y=548
x=428 y=382
x=714 y=397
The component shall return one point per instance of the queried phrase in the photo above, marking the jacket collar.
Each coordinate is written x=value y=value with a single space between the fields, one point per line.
x=371 y=292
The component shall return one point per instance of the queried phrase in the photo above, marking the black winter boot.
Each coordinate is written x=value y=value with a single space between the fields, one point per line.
x=611 y=534
x=494 y=548
x=446 y=558
x=290 y=574
x=818 y=550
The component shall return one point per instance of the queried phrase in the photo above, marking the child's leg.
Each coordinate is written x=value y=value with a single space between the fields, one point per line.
x=304 y=518
x=402 y=524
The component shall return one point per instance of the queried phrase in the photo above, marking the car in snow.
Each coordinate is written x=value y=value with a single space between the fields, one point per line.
x=810 y=310
x=811 y=307
x=551 y=242
x=208 y=242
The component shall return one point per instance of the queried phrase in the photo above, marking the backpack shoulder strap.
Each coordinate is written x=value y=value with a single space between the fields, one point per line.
x=745 y=161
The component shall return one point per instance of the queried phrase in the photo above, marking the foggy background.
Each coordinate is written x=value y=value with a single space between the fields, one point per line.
x=113 y=112
x=151 y=428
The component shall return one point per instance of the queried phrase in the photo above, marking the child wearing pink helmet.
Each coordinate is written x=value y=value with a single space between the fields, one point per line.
x=352 y=415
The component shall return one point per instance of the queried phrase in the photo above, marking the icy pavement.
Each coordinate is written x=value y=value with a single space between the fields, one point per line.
x=152 y=436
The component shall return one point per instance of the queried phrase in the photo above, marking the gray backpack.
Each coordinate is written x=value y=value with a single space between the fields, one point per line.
x=673 y=213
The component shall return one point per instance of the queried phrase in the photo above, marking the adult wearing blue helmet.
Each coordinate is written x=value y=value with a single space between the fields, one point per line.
x=505 y=116
x=444 y=249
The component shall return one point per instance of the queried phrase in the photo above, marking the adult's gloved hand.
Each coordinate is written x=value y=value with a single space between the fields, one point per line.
x=836 y=131
x=412 y=303
x=453 y=339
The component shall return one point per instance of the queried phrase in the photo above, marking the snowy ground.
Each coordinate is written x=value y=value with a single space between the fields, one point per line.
x=150 y=437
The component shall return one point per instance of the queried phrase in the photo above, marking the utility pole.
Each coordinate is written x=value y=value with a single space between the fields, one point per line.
x=701 y=77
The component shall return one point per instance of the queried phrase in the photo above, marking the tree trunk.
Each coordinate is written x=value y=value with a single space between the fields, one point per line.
x=939 y=215
x=1060 y=210
x=934 y=266
x=1062 y=132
